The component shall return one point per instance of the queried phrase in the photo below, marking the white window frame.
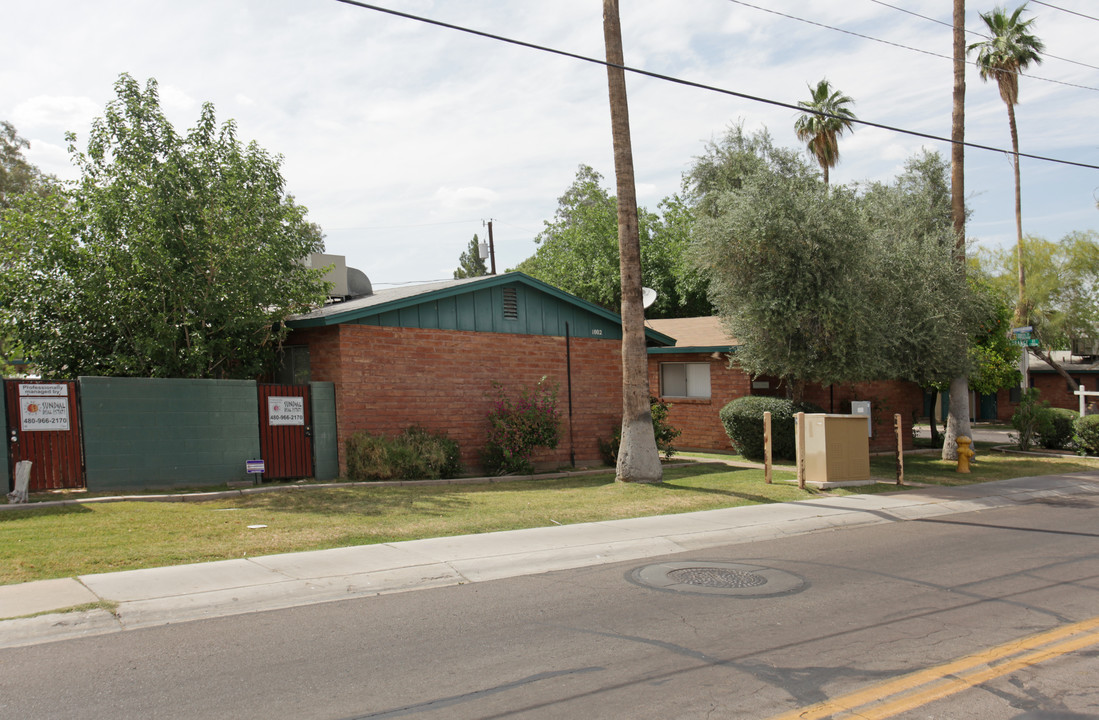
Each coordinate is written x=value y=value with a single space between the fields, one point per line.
x=689 y=380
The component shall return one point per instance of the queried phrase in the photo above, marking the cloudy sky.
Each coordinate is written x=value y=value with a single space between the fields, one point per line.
x=402 y=138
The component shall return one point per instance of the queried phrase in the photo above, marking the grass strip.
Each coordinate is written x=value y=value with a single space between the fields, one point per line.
x=40 y=544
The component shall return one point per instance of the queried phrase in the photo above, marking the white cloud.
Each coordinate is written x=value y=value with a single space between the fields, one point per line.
x=55 y=111
x=464 y=198
x=387 y=124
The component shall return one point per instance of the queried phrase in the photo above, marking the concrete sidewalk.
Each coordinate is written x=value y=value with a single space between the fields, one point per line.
x=159 y=596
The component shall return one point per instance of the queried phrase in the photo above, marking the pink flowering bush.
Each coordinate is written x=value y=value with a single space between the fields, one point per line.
x=518 y=426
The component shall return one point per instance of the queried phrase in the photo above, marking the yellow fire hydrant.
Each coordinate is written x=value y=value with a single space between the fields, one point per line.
x=965 y=453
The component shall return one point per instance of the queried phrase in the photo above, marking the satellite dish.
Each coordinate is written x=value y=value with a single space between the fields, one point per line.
x=648 y=296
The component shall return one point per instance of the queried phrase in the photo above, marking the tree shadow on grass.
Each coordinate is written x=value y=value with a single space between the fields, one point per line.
x=784 y=494
x=432 y=501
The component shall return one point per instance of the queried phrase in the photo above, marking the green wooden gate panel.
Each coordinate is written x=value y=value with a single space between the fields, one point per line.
x=157 y=432
x=326 y=461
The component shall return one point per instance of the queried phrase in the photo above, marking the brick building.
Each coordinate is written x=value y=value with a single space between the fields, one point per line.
x=1053 y=388
x=428 y=355
x=695 y=380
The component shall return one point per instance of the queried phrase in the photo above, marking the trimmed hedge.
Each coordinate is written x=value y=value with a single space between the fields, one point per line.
x=743 y=421
x=1056 y=427
x=1087 y=434
x=415 y=454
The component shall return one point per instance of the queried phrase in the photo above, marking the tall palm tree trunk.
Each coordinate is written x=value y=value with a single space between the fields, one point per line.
x=957 y=422
x=1021 y=310
x=638 y=457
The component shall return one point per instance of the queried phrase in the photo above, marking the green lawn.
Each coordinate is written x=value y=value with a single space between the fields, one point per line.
x=988 y=465
x=104 y=537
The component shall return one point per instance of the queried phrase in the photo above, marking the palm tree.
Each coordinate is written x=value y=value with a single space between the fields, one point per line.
x=827 y=118
x=957 y=422
x=638 y=457
x=1009 y=51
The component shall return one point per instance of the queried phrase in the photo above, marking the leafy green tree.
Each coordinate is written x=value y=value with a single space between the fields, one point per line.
x=470 y=262
x=1010 y=50
x=925 y=308
x=786 y=262
x=828 y=117
x=1061 y=289
x=578 y=251
x=828 y=285
x=172 y=256
x=17 y=174
x=994 y=360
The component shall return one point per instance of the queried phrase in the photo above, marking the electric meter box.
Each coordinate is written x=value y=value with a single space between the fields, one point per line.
x=837 y=450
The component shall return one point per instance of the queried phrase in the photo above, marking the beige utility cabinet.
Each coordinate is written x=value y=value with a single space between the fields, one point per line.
x=837 y=449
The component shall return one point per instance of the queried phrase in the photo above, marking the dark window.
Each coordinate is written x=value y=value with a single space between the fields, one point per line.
x=294 y=365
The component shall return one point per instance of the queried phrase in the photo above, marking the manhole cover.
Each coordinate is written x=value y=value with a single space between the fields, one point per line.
x=717 y=578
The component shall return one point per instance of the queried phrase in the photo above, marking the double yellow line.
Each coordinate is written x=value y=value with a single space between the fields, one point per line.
x=893 y=697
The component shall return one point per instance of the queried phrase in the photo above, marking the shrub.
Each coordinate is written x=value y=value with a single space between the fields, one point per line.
x=664 y=433
x=518 y=427
x=442 y=455
x=414 y=454
x=1087 y=434
x=743 y=421
x=1055 y=428
x=1030 y=419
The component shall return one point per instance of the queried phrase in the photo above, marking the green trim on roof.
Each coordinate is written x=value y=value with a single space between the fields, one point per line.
x=691 y=349
x=406 y=310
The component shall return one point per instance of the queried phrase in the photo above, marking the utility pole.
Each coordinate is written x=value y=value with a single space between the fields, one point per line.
x=491 y=246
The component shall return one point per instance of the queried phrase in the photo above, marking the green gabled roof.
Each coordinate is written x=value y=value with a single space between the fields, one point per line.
x=510 y=303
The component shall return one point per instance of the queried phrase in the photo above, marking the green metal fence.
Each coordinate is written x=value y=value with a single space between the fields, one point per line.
x=144 y=433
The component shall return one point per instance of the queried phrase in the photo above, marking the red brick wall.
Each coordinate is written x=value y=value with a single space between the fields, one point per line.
x=1004 y=407
x=886 y=397
x=698 y=418
x=389 y=378
x=1053 y=389
x=700 y=422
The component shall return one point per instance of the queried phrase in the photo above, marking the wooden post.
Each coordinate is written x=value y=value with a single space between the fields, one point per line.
x=767 y=447
x=900 y=448
x=799 y=447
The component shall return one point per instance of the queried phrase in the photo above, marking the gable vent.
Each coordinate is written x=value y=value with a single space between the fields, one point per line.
x=511 y=303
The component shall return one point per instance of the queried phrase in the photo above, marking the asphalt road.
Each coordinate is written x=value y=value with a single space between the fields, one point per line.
x=866 y=608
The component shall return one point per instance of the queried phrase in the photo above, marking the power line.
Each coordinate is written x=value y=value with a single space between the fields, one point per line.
x=1071 y=12
x=696 y=85
x=412 y=282
x=974 y=32
x=416 y=225
x=897 y=45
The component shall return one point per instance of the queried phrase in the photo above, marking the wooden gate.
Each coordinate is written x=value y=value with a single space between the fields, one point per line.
x=286 y=431
x=44 y=427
